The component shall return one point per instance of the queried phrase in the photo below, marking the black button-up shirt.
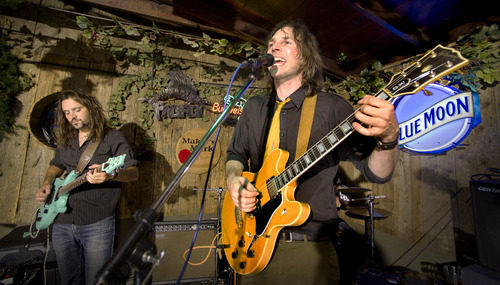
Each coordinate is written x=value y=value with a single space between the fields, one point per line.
x=90 y=203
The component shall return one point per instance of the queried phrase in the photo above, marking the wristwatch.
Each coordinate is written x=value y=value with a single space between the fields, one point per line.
x=385 y=145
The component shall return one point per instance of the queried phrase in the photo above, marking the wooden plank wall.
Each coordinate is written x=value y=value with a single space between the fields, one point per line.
x=428 y=197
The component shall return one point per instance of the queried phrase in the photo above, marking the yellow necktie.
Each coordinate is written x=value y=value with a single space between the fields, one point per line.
x=273 y=139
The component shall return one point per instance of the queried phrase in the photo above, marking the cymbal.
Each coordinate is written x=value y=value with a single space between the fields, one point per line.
x=362 y=213
x=349 y=190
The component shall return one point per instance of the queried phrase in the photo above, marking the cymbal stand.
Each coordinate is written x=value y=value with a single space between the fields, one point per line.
x=227 y=271
x=369 y=224
x=371 y=232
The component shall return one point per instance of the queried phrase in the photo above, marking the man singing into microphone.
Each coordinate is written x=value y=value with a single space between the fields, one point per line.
x=306 y=254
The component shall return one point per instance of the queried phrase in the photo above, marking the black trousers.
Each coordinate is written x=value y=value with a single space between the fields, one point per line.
x=299 y=262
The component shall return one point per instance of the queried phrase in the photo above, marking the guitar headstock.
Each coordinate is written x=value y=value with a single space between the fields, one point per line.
x=113 y=163
x=435 y=64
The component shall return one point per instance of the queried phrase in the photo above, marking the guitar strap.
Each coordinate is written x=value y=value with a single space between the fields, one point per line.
x=306 y=119
x=86 y=156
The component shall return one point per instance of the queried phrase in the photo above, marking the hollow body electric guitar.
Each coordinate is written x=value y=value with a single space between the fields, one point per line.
x=249 y=238
x=61 y=189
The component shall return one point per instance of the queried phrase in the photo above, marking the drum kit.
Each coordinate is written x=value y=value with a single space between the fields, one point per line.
x=359 y=205
x=349 y=198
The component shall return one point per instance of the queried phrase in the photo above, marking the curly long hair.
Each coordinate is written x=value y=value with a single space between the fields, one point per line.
x=308 y=46
x=65 y=132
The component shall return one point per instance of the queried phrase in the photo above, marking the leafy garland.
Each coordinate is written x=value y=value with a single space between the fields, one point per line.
x=12 y=82
x=149 y=53
x=370 y=81
x=480 y=46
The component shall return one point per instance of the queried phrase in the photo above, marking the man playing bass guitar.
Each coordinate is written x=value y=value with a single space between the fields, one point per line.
x=83 y=235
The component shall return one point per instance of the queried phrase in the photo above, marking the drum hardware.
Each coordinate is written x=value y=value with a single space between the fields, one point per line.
x=343 y=195
x=363 y=212
x=349 y=190
x=369 y=214
x=342 y=201
x=223 y=270
x=393 y=275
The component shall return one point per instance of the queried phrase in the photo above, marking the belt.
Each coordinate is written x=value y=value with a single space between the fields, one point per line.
x=291 y=236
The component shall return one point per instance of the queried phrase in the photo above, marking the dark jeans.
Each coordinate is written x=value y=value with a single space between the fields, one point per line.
x=299 y=262
x=81 y=251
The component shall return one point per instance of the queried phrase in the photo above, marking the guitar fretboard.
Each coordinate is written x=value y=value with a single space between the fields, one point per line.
x=72 y=185
x=311 y=156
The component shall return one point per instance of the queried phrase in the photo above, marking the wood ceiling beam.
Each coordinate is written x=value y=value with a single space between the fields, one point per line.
x=164 y=13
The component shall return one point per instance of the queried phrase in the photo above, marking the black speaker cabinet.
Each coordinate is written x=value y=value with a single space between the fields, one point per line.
x=486 y=208
x=175 y=238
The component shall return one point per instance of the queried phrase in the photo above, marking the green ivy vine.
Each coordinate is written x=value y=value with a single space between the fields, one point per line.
x=12 y=82
x=480 y=46
x=152 y=37
x=370 y=81
x=149 y=52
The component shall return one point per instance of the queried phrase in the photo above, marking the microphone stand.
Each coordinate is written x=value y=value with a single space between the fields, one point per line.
x=142 y=255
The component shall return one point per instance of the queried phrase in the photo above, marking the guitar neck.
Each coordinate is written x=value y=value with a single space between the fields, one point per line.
x=72 y=185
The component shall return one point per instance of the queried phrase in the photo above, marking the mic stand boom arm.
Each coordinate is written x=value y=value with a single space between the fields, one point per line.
x=147 y=218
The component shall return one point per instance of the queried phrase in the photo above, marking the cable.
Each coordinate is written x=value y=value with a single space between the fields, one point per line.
x=33 y=234
x=482 y=176
x=429 y=243
x=426 y=233
x=46 y=257
x=211 y=246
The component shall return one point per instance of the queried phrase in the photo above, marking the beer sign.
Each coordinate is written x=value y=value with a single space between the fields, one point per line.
x=436 y=119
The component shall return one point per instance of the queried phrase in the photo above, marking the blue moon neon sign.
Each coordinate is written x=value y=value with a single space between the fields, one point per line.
x=437 y=119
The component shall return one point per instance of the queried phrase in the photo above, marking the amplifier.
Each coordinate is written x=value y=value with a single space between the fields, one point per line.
x=486 y=208
x=175 y=237
x=15 y=250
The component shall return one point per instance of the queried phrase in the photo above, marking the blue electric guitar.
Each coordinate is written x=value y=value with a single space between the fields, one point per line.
x=48 y=211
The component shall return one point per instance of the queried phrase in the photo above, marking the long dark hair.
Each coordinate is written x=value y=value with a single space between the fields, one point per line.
x=65 y=132
x=312 y=76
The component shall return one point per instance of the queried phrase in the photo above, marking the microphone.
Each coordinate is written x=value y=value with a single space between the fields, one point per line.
x=265 y=60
